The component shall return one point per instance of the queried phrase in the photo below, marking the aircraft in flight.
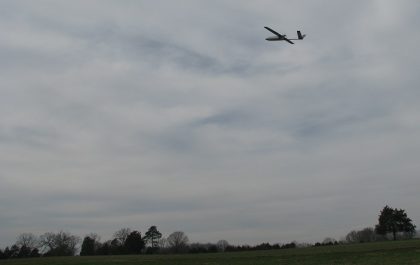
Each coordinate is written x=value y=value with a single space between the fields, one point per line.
x=283 y=37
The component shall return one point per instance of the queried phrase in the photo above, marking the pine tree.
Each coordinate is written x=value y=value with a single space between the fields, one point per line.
x=394 y=221
x=152 y=236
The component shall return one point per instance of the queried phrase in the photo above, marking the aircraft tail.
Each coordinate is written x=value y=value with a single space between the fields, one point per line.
x=300 y=35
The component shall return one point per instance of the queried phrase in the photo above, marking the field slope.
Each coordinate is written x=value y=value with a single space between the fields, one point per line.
x=400 y=252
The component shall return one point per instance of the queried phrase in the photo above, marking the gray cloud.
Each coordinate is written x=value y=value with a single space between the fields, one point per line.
x=182 y=116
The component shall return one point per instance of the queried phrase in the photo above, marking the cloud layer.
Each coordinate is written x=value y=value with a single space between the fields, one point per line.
x=181 y=115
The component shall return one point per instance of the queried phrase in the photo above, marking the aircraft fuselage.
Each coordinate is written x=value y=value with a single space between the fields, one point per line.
x=274 y=38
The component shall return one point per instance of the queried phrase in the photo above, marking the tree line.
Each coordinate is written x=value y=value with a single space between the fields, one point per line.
x=392 y=224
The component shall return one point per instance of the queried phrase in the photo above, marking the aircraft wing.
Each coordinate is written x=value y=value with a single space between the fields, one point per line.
x=289 y=41
x=278 y=34
x=274 y=32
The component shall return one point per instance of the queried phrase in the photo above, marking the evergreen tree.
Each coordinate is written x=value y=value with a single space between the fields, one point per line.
x=14 y=251
x=24 y=252
x=35 y=253
x=88 y=247
x=134 y=243
x=394 y=221
x=7 y=253
x=152 y=236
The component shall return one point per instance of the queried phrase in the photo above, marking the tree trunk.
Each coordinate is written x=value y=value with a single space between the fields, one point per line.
x=394 y=233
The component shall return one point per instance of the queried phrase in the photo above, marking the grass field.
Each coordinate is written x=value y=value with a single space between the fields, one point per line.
x=400 y=252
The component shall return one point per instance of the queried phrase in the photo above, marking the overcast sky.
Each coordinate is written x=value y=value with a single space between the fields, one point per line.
x=179 y=114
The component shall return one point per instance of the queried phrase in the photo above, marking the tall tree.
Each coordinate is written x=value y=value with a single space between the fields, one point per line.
x=134 y=244
x=91 y=244
x=394 y=221
x=88 y=247
x=152 y=236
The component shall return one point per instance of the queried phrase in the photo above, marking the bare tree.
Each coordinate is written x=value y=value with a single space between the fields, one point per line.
x=47 y=241
x=162 y=243
x=222 y=245
x=365 y=235
x=178 y=241
x=27 y=240
x=122 y=235
x=94 y=236
x=352 y=237
x=59 y=244
x=328 y=241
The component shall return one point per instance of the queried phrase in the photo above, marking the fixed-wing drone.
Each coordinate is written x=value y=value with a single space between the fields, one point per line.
x=283 y=37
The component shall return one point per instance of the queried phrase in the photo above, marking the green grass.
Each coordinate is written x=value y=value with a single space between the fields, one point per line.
x=400 y=252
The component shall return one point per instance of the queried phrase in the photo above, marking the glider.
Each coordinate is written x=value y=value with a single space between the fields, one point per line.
x=283 y=37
